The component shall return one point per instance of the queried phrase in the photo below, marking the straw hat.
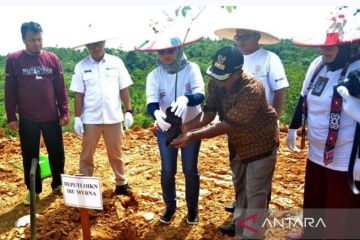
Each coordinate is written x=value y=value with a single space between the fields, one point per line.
x=92 y=34
x=229 y=33
x=166 y=40
x=343 y=26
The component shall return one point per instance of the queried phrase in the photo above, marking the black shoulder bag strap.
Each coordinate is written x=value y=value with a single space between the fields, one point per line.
x=354 y=153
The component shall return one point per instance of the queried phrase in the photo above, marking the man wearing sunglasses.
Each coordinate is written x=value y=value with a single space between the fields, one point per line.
x=101 y=84
x=263 y=65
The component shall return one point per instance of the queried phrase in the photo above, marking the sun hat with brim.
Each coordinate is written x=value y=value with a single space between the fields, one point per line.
x=165 y=41
x=92 y=34
x=229 y=33
x=93 y=40
x=342 y=27
x=226 y=61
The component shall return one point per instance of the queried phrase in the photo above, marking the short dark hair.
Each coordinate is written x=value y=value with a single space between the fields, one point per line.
x=30 y=27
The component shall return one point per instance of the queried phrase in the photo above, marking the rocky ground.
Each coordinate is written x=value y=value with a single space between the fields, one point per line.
x=138 y=217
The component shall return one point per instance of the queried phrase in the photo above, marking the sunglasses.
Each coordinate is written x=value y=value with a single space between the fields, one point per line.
x=167 y=51
x=244 y=38
x=96 y=45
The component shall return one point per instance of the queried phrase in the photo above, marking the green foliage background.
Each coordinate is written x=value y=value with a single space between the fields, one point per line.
x=295 y=59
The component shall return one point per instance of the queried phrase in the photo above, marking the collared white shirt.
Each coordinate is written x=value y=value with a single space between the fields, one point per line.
x=267 y=67
x=101 y=82
x=161 y=86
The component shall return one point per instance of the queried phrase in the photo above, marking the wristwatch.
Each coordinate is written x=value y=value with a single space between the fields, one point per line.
x=130 y=111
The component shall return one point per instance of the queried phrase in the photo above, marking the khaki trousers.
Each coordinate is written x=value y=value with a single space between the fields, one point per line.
x=252 y=183
x=113 y=141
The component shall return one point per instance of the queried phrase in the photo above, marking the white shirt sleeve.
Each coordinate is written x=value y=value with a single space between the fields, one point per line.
x=309 y=74
x=277 y=77
x=124 y=76
x=152 y=88
x=77 y=84
x=196 y=81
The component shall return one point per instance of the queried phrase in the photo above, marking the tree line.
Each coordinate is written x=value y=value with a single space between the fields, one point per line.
x=296 y=60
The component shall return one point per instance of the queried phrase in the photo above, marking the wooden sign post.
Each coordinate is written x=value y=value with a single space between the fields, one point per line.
x=84 y=193
x=85 y=225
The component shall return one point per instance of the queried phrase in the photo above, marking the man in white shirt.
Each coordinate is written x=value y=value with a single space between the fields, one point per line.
x=101 y=84
x=263 y=65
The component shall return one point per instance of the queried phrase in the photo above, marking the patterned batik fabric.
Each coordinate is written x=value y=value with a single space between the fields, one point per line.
x=334 y=125
x=252 y=120
x=334 y=122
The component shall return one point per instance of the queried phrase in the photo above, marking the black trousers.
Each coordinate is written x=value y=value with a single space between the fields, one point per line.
x=30 y=132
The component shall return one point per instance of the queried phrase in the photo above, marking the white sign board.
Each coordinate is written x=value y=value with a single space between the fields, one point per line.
x=82 y=191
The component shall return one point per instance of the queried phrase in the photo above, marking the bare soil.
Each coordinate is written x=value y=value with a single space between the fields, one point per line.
x=137 y=217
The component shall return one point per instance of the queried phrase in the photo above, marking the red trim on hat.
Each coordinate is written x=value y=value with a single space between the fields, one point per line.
x=356 y=40
x=332 y=39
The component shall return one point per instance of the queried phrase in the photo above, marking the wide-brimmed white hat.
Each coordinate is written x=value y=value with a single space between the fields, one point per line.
x=92 y=34
x=342 y=27
x=167 y=40
x=229 y=33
